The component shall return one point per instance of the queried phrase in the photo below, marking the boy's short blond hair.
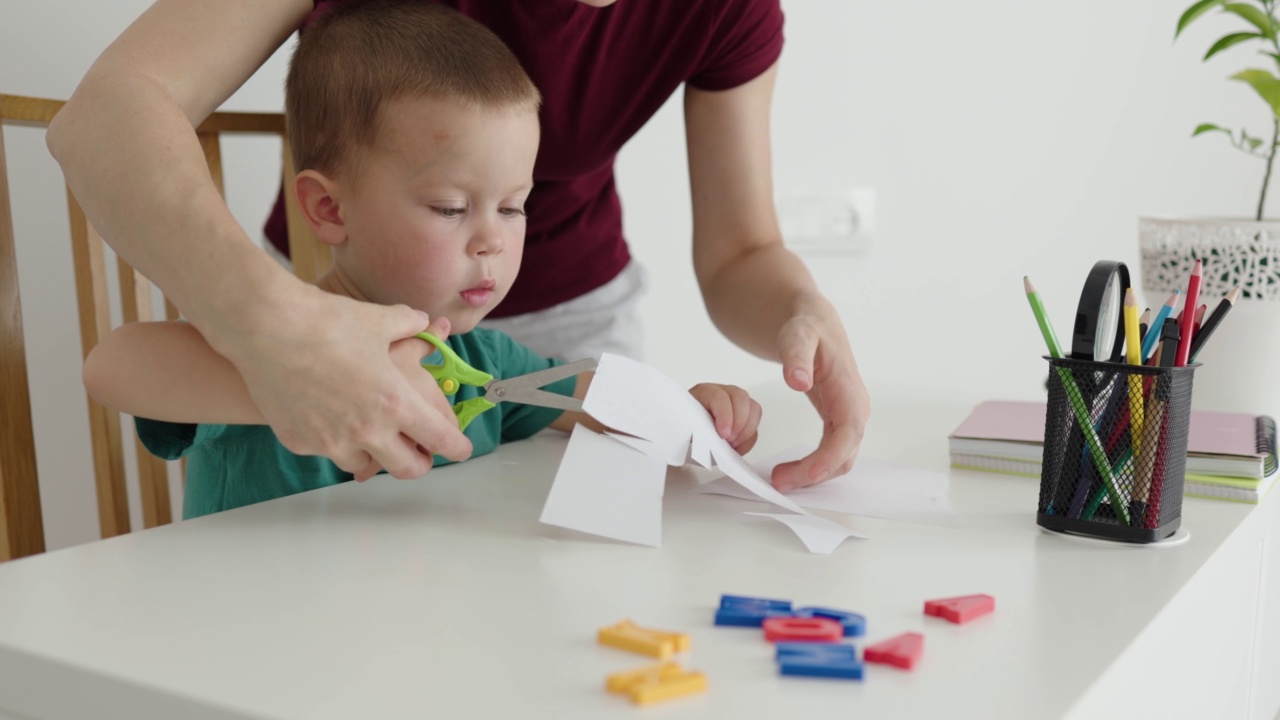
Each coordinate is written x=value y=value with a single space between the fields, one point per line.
x=361 y=55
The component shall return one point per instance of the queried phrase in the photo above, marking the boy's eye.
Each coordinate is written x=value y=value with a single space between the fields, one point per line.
x=512 y=212
x=448 y=212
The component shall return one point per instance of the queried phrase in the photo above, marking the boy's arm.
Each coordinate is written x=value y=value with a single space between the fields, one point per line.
x=167 y=371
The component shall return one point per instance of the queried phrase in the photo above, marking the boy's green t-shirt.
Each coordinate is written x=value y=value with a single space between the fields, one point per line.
x=233 y=465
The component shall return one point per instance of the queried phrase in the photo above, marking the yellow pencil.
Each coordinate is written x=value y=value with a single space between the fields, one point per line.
x=1133 y=352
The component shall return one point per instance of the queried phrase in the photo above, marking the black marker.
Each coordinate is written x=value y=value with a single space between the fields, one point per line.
x=1169 y=336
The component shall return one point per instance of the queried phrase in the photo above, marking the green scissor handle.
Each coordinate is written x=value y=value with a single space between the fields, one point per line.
x=451 y=374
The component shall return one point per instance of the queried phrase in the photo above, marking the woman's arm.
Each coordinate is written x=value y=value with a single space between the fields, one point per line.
x=757 y=292
x=315 y=364
x=168 y=371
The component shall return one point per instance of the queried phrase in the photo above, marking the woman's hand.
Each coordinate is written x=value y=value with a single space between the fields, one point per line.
x=817 y=360
x=332 y=376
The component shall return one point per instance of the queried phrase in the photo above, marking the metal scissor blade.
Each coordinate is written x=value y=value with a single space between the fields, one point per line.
x=526 y=389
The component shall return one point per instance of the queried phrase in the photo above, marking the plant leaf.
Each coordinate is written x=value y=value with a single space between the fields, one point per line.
x=1227 y=41
x=1253 y=15
x=1193 y=12
x=1253 y=142
x=1203 y=128
x=1265 y=84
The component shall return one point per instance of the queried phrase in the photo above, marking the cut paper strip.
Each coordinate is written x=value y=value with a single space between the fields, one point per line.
x=820 y=535
x=675 y=457
x=636 y=399
x=737 y=469
x=606 y=488
x=873 y=488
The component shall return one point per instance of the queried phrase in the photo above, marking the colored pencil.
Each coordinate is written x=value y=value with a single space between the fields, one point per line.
x=1076 y=401
x=1206 y=330
x=1042 y=318
x=1133 y=348
x=1189 y=314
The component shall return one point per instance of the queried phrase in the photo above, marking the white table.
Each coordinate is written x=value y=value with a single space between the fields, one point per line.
x=444 y=597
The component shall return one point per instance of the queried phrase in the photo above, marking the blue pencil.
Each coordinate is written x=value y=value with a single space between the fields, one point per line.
x=1153 y=330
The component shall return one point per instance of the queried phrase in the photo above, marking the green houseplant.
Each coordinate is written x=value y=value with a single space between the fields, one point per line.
x=1258 y=28
x=1239 y=370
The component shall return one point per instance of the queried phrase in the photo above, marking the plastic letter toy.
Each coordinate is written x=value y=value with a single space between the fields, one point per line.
x=740 y=611
x=853 y=623
x=900 y=651
x=798 y=629
x=835 y=660
x=960 y=610
x=738 y=601
x=657 y=682
x=657 y=643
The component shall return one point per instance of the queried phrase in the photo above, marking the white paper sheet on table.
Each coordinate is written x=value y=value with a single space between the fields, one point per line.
x=873 y=488
x=609 y=489
x=658 y=419
x=820 y=535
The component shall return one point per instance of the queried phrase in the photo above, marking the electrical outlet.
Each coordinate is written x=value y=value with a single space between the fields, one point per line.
x=840 y=221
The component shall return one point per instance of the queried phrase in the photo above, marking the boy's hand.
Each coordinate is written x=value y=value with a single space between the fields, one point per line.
x=736 y=415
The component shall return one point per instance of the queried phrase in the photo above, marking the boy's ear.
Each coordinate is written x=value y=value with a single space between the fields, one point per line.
x=317 y=198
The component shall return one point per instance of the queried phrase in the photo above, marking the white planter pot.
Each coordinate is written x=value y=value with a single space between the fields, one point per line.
x=1241 y=362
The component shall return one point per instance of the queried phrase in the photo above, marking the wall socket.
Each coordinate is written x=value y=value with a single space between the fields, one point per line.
x=830 y=221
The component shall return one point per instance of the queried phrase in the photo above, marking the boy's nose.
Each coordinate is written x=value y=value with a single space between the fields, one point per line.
x=486 y=241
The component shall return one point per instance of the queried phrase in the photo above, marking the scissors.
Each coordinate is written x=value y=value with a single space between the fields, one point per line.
x=453 y=372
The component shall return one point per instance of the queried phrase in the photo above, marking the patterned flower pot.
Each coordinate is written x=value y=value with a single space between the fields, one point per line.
x=1241 y=361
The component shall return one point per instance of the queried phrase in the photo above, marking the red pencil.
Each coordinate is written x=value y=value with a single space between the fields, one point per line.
x=1189 y=315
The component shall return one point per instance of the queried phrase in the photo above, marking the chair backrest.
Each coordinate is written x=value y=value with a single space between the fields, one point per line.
x=21 y=522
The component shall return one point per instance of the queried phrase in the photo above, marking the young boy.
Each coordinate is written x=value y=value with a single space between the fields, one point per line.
x=415 y=131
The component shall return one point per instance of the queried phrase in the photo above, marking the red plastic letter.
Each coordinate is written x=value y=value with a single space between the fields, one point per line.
x=962 y=609
x=793 y=629
x=901 y=651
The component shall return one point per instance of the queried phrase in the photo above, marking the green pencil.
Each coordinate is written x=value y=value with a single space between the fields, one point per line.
x=1077 y=401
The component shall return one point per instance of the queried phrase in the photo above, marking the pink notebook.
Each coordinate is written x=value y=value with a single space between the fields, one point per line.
x=1216 y=433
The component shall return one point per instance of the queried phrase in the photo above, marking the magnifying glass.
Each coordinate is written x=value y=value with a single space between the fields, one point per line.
x=1098 y=334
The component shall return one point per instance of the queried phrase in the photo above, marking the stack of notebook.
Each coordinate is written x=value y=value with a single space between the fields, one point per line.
x=1230 y=456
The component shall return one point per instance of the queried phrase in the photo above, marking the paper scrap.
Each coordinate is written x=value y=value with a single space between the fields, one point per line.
x=820 y=535
x=606 y=488
x=873 y=488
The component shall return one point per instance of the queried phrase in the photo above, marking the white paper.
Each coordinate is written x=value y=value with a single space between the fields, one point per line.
x=633 y=398
x=820 y=535
x=737 y=469
x=674 y=454
x=873 y=488
x=606 y=488
x=660 y=423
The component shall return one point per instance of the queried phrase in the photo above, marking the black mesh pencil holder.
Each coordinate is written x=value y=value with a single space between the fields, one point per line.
x=1115 y=449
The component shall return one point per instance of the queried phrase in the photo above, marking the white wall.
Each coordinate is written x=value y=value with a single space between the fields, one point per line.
x=1003 y=138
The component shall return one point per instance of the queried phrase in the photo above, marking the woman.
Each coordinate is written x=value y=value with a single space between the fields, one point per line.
x=318 y=366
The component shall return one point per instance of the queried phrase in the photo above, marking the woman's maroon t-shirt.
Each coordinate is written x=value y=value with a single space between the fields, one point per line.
x=603 y=72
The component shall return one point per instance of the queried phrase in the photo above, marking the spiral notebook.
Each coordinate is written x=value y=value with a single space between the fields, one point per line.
x=1008 y=436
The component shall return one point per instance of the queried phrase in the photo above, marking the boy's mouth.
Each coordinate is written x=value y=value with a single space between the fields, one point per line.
x=479 y=295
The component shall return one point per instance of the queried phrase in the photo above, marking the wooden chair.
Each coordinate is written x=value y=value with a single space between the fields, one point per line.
x=21 y=523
